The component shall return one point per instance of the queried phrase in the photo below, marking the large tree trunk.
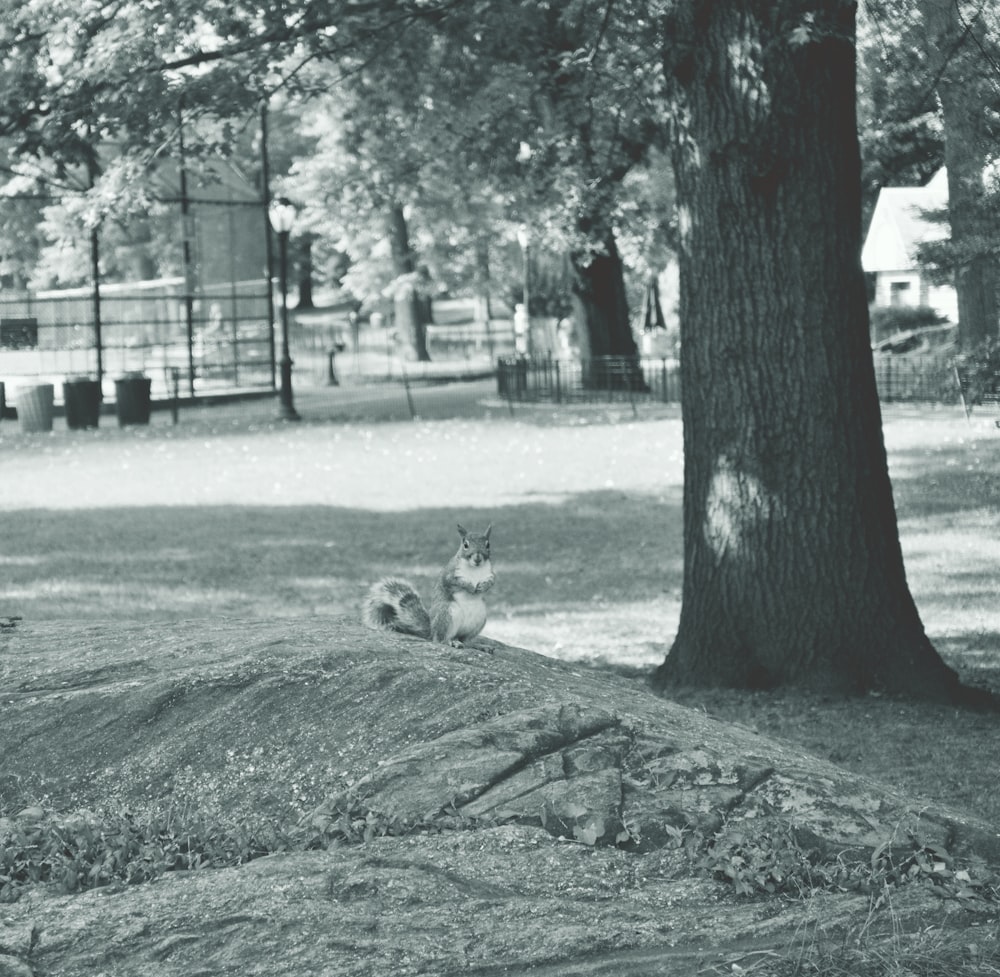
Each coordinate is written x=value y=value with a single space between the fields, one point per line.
x=792 y=566
x=600 y=306
x=967 y=147
x=410 y=307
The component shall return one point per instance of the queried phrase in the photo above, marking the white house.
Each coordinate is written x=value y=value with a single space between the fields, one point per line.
x=898 y=226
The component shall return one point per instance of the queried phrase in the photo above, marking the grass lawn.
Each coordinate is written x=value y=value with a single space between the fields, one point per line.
x=231 y=513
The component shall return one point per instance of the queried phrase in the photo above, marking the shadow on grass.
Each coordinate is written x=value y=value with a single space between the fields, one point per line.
x=187 y=562
x=596 y=564
x=941 y=480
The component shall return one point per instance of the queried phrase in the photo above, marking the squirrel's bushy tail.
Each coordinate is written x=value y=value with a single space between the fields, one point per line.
x=393 y=605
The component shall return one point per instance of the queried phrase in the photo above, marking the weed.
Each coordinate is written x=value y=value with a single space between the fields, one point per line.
x=769 y=862
x=85 y=850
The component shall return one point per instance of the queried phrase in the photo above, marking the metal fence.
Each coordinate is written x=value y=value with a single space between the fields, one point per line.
x=917 y=379
x=220 y=338
x=599 y=379
x=913 y=379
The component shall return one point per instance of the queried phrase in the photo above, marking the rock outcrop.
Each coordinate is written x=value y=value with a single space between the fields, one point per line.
x=489 y=812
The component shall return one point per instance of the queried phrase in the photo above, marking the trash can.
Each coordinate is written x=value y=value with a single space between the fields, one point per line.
x=133 y=402
x=82 y=397
x=34 y=407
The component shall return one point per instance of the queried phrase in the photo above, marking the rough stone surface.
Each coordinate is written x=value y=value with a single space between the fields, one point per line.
x=554 y=795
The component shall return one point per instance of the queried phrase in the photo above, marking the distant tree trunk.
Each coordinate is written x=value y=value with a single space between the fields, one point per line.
x=792 y=566
x=600 y=306
x=483 y=283
x=411 y=308
x=305 y=266
x=967 y=148
x=482 y=278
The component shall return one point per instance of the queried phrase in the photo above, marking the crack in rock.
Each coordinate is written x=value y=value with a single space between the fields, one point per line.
x=482 y=770
x=577 y=792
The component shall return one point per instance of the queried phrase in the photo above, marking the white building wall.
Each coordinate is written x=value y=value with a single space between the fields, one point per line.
x=941 y=298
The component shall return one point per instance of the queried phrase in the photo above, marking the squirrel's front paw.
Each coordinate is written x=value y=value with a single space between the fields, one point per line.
x=455 y=643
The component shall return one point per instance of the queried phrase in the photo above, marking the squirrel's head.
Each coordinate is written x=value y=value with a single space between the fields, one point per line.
x=475 y=546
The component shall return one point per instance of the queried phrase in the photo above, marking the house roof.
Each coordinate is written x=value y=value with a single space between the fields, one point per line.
x=899 y=224
x=213 y=180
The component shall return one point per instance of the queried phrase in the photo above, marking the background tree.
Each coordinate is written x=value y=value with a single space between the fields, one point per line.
x=647 y=233
x=930 y=96
x=793 y=571
x=589 y=113
x=21 y=241
x=358 y=185
x=581 y=93
x=899 y=120
x=965 y=46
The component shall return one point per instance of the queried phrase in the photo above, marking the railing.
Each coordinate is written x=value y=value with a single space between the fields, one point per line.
x=916 y=379
x=521 y=379
x=221 y=337
x=599 y=379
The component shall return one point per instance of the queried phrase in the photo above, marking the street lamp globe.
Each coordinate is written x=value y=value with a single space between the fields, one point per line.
x=282 y=214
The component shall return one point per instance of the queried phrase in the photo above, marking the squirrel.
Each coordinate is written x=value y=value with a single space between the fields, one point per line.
x=457 y=611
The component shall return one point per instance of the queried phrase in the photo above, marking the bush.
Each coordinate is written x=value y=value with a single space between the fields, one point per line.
x=979 y=370
x=889 y=320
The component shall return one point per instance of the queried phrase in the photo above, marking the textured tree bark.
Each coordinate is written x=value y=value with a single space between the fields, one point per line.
x=968 y=145
x=793 y=570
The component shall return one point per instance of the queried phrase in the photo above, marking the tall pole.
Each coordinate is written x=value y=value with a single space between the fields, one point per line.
x=186 y=231
x=527 y=280
x=95 y=273
x=234 y=309
x=95 y=280
x=265 y=178
x=287 y=409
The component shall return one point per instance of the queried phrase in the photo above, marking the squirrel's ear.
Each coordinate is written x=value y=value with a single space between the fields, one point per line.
x=488 y=528
x=462 y=531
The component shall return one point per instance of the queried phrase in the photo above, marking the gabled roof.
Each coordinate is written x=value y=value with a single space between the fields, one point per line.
x=214 y=180
x=899 y=226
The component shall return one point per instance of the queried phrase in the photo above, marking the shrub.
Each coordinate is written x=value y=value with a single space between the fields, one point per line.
x=979 y=370
x=889 y=320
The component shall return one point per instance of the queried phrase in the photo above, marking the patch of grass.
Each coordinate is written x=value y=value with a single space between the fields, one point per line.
x=925 y=750
x=88 y=849
x=930 y=952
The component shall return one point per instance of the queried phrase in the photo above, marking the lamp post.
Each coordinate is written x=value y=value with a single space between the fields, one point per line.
x=282 y=215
